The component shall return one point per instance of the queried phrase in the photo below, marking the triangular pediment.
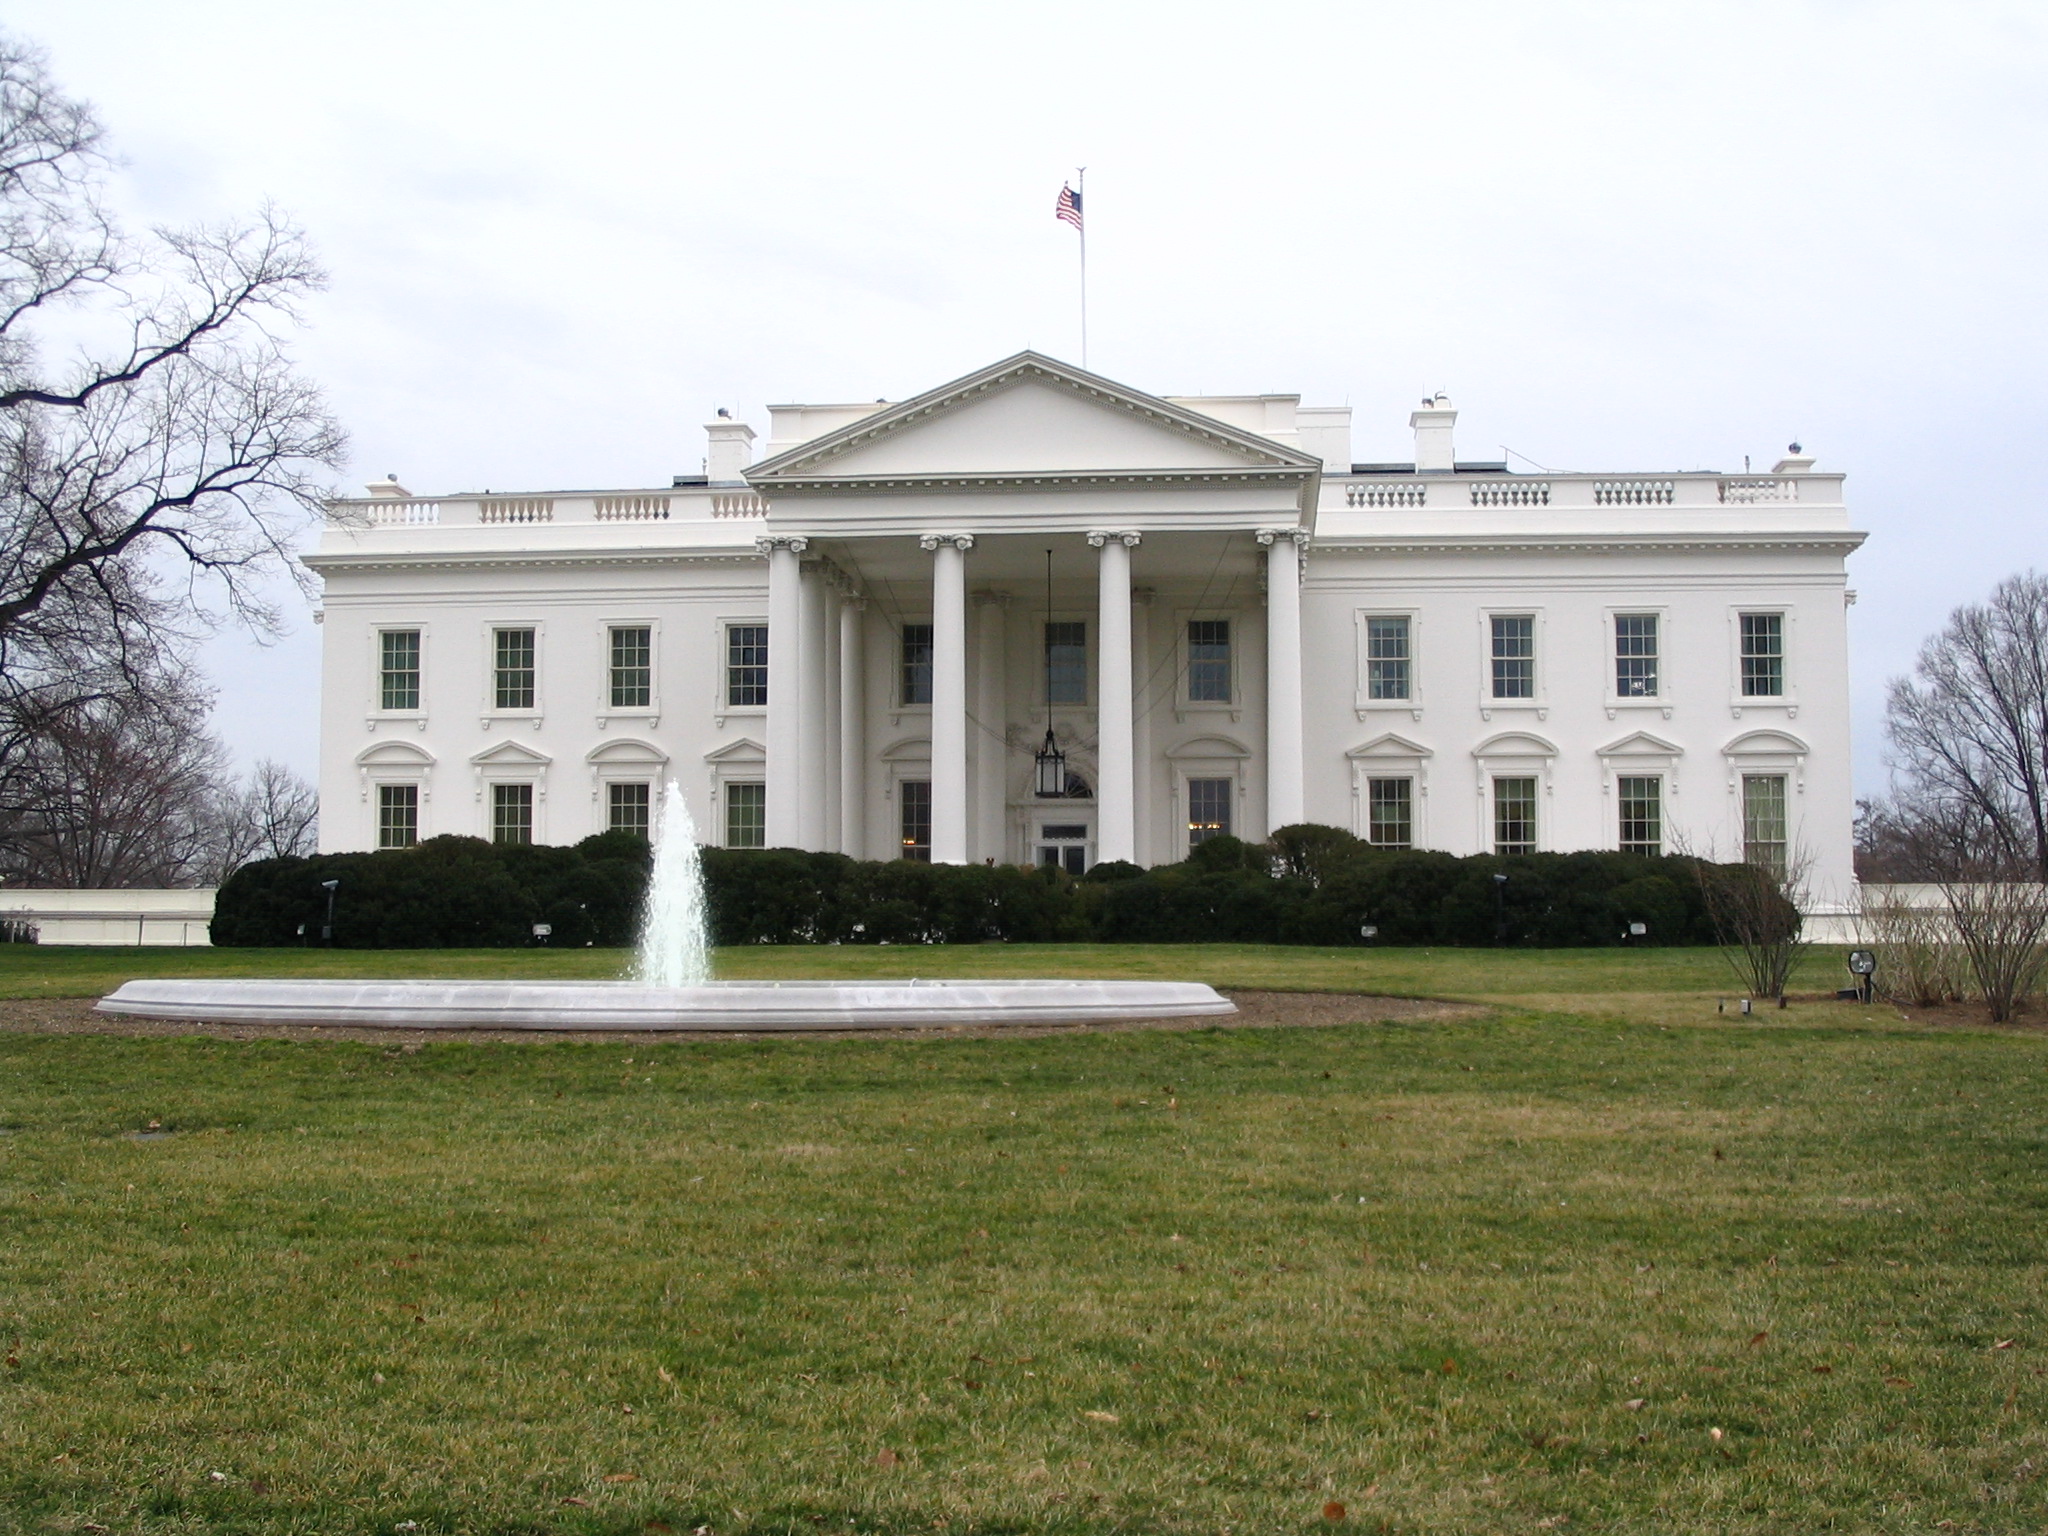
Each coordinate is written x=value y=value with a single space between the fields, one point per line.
x=1389 y=744
x=741 y=749
x=1642 y=744
x=511 y=754
x=1029 y=416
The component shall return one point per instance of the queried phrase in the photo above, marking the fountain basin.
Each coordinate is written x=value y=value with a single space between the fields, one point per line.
x=718 y=1005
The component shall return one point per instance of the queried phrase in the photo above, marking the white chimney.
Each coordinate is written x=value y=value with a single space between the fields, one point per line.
x=1432 y=424
x=732 y=450
x=388 y=489
x=1797 y=461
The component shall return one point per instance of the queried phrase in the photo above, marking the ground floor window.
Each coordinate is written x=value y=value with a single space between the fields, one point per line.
x=1642 y=815
x=1208 y=810
x=1763 y=820
x=511 y=813
x=1390 y=813
x=1064 y=845
x=915 y=798
x=1514 y=816
x=746 y=815
x=626 y=808
x=398 y=815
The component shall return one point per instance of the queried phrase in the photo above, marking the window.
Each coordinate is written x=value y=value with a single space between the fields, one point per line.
x=1514 y=656
x=513 y=686
x=626 y=807
x=398 y=815
x=1763 y=655
x=746 y=666
x=1642 y=815
x=511 y=813
x=915 y=799
x=1066 y=663
x=1390 y=813
x=1386 y=658
x=399 y=669
x=917 y=663
x=1635 y=655
x=632 y=668
x=1209 y=661
x=1208 y=810
x=746 y=815
x=1514 y=816
x=1763 y=820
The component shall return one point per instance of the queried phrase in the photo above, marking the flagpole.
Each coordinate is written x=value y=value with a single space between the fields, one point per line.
x=1081 y=188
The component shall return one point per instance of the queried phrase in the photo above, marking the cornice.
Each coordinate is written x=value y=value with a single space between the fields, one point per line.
x=471 y=559
x=1048 y=480
x=1591 y=543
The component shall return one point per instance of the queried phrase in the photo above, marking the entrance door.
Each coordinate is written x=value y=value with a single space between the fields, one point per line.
x=1064 y=845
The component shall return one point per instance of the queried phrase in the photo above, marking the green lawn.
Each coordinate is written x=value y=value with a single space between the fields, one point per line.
x=1505 y=1273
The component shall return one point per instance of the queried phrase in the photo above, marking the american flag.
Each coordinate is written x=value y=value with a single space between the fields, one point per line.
x=1069 y=206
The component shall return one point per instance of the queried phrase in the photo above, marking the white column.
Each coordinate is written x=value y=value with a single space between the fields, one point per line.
x=811 y=685
x=785 y=698
x=1116 y=831
x=1283 y=675
x=949 y=695
x=829 y=774
x=853 y=755
x=1141 y=735
x=991 y=738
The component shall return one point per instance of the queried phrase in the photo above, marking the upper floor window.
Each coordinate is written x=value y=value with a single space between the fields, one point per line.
x=917 y=663
x=1514 y=816
x=1514 y=655
x=398 y=662
x=746 y=815
x=1390 y=813
x=627 y=807
x=511 y=813
x=1066 y=662
x=1763 y=655
x=1635 y=655
x=1387 y=657
x=398 y=815
x=1209 y=661
x=512 y=685
x=632 y=670
x=746 y=666
x=1642 y=814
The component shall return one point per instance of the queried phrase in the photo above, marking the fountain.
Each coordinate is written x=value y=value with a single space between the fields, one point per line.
x=671 y=987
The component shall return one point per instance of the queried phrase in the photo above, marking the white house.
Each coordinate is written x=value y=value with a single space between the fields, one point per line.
x=851 y=643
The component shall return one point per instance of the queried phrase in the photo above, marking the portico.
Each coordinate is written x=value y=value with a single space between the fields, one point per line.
x=897 y=517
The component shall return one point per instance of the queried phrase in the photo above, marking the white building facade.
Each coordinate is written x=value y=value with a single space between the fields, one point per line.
x=860 y=640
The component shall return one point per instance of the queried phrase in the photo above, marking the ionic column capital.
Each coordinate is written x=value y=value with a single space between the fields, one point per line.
x=1274 y=535
x=795 y=543
x=1124 y=536
x=960 y=541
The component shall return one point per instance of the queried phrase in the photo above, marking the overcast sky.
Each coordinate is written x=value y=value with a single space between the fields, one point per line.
x=1622 y=236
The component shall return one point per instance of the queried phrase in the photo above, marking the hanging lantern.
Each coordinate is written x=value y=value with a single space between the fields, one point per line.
x=1052 y=769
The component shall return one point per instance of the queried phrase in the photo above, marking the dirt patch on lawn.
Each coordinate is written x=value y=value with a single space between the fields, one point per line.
x=1255 y=1010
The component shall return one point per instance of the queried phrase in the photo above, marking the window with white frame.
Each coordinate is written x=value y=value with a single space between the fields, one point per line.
x=512 y=668
x=1390 y=812
x=1066 y=661
x=1209 y=661
x=1514 y=815
x=917 y=664
x=1388 y=657
x=629 y=807
x=746 y=666
x=1208 y=810
x=398 y=815
x=1641 y=801
x=398 y=669
x=914 y=818
x=1764 y=821
x=1762 y=655
x=511 y=813
x=1513 y=637
x=1635 y=656
x=746 y=815
x=632 y=666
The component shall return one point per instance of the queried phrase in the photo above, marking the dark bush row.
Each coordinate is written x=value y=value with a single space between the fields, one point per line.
x=1310 y=885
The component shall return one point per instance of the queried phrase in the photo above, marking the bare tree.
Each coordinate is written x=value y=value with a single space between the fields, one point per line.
x=2003 y=928
x=1755 y=908
x=1969 y=733
x=151 y=420
x=274 y=814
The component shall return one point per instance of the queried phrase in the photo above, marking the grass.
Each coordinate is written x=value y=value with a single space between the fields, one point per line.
x=1504 y=1273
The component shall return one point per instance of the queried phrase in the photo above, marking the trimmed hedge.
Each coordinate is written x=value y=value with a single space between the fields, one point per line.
x=1310 y=885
